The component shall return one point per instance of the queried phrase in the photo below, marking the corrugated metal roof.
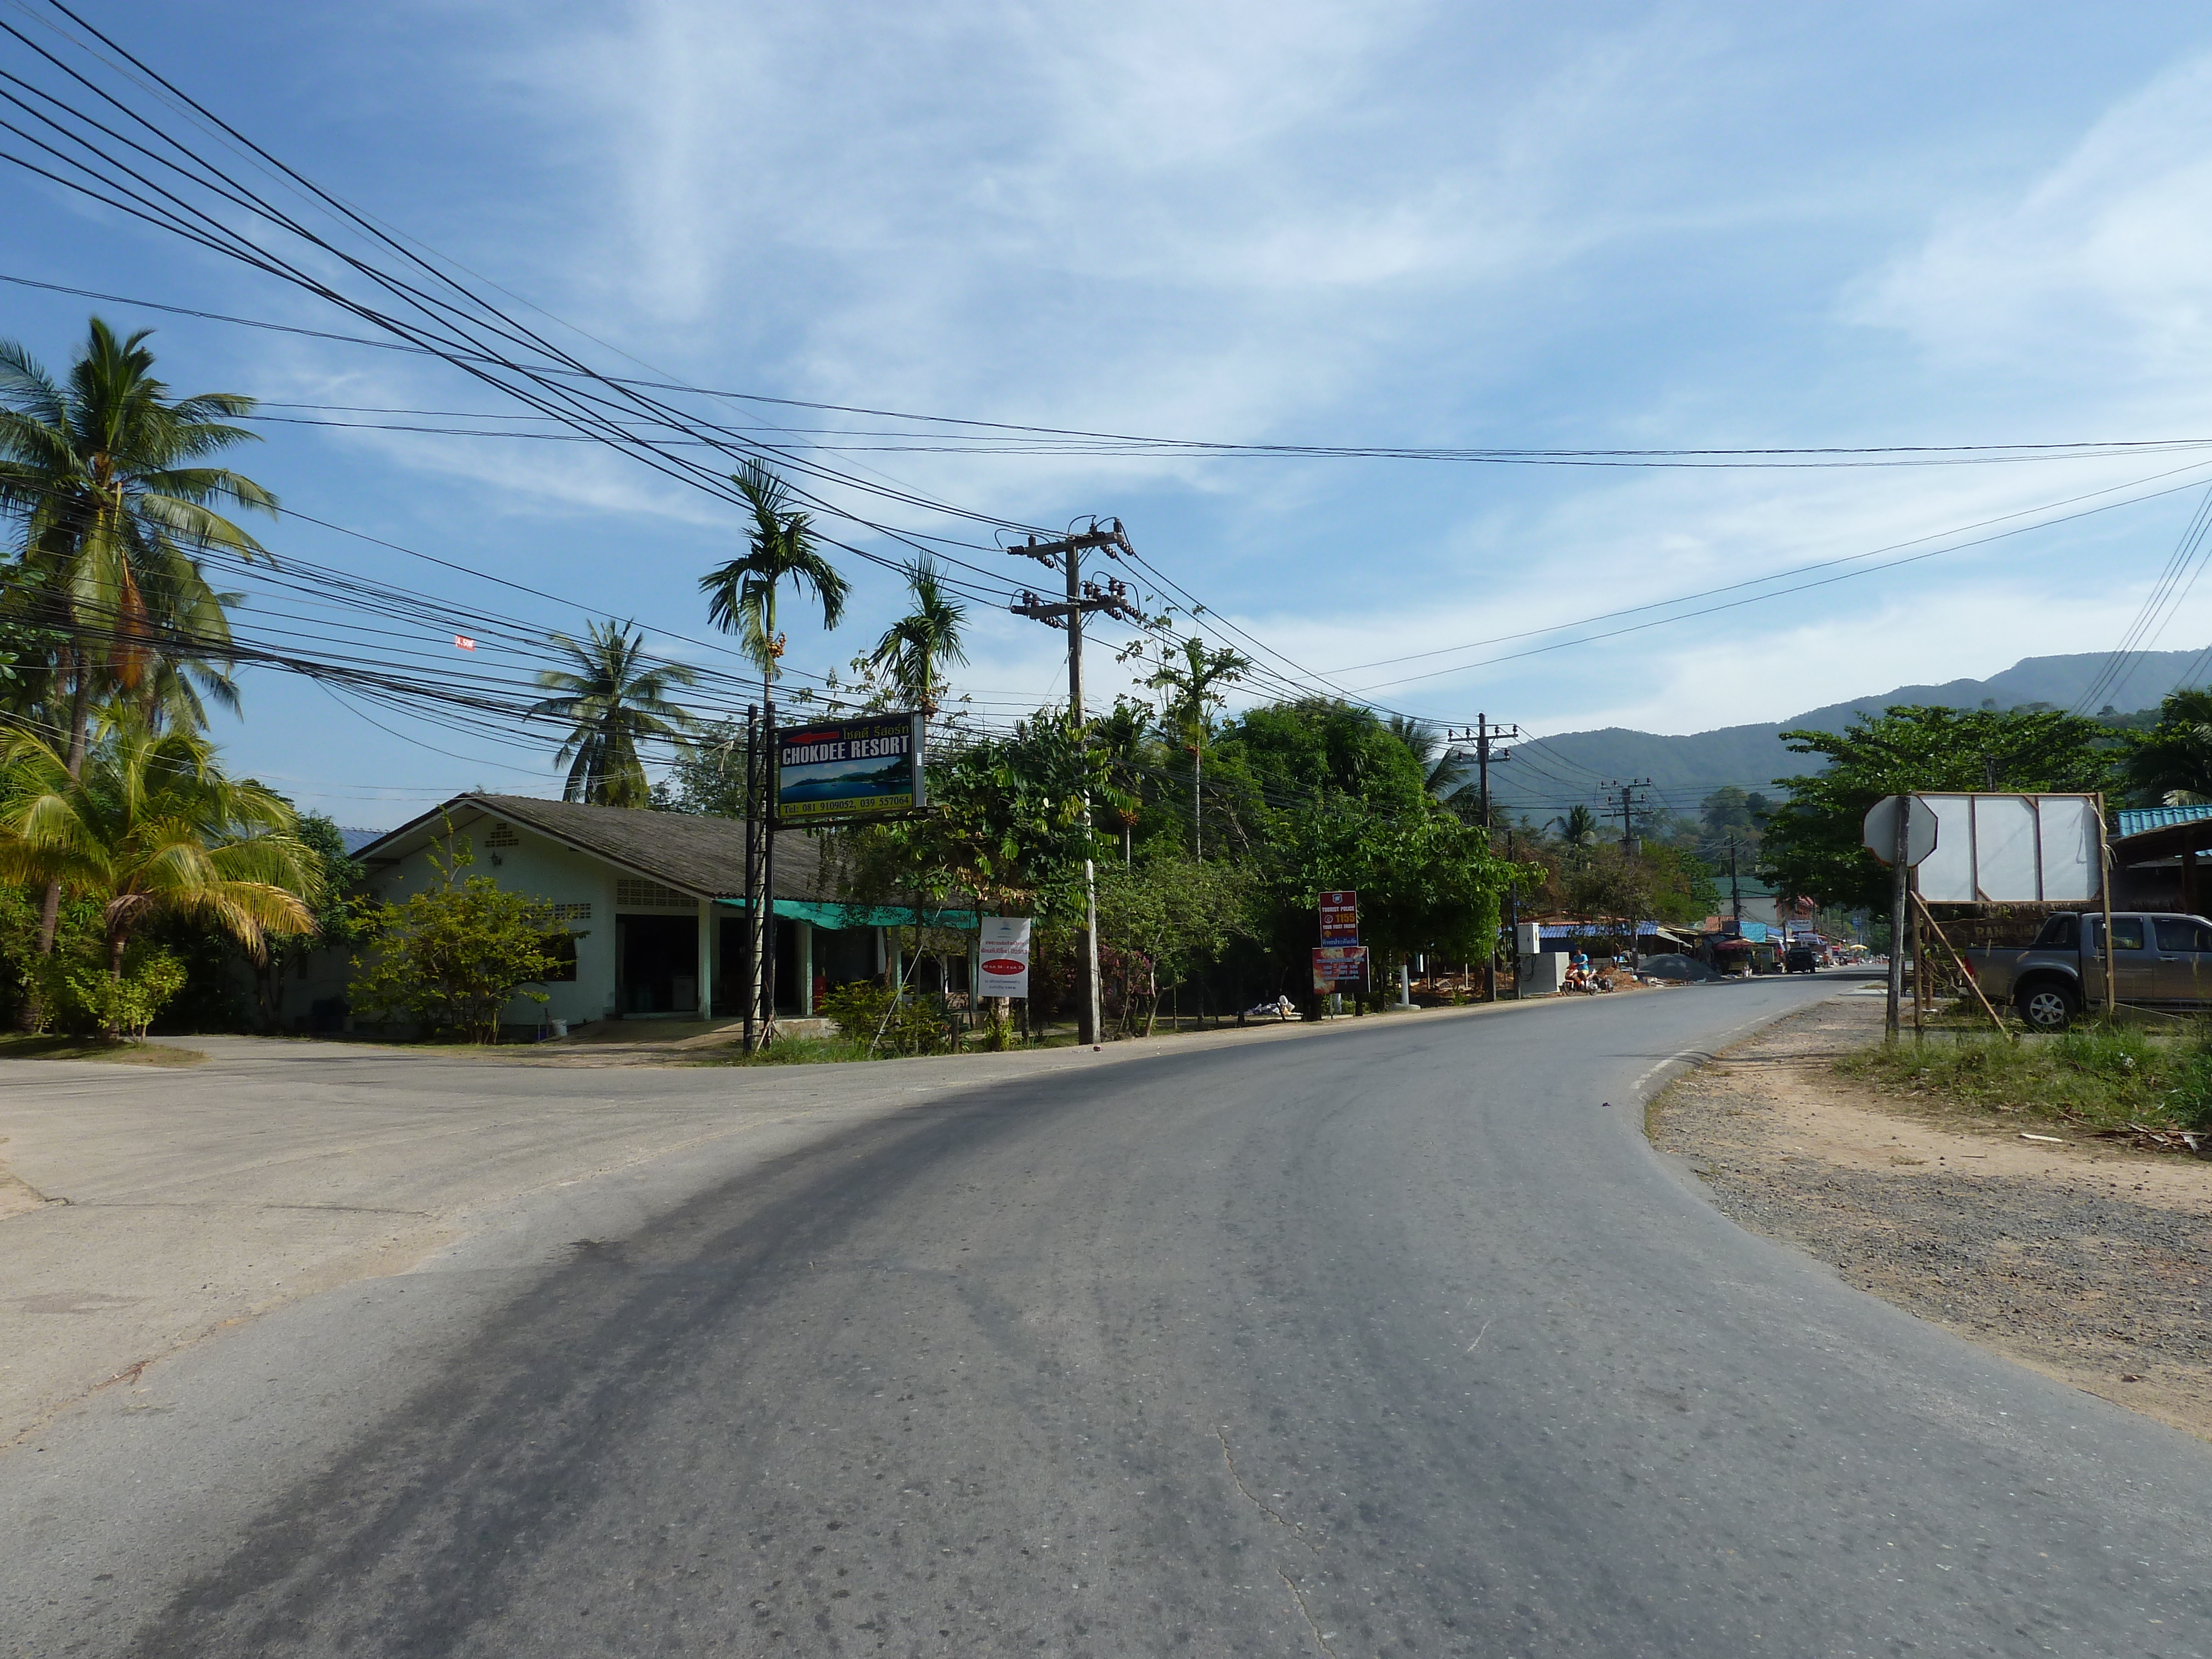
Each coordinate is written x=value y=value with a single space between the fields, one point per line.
x=2133 y=820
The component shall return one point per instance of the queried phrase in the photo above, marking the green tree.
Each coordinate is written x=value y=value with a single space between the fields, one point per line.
x=1006 y=826
x=451 y=958
x=1123 y=736
x=708 y=774
x=2171 y=762
x=780 y=547
x=103 y=473
x=1812 y=845
x=1165 y=921
x=915 y=649
x=151 y=826
x=613 y=696
x=1193 y=678
x=1339 y=800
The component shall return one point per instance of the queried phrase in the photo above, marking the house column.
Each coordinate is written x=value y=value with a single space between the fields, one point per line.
x=705 y=958
x=805 y=941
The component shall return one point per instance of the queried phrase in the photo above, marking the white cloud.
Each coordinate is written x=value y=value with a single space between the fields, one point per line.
x=2102 y=268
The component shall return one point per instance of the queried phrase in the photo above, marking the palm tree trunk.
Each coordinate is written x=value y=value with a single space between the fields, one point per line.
x=50 y=904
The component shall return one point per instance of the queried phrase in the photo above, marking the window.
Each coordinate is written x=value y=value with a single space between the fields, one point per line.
x=502 y=834
x=572 y=913
x=561 y=947
x=2176 y=935
x=2060 y=933
x=2127 y=932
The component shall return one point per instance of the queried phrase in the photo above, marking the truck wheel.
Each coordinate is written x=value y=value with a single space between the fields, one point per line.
x=2048 y=1006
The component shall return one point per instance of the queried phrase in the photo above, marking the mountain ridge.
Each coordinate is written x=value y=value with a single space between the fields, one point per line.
x=1550 y=774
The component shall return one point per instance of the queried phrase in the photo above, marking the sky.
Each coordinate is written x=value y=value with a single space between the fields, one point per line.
x=1601 y=228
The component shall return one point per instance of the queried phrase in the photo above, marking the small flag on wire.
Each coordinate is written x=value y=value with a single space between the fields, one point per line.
x=462 y=641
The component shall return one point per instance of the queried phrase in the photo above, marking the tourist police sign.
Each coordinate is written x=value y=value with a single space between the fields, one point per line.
x=840 y=771
x=1339 y=918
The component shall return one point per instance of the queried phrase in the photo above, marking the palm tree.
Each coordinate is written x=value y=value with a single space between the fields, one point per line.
x=2172 y=761
x=148 y=822
x=1191 y=702
x=928 y=638
x=1440 y=764
x=1578 y=829
x=781 y=547
x=1121 y=737
x=101 y=472
x=612 y=698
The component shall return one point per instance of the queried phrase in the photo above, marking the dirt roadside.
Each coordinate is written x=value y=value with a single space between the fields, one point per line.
x=2079 y=1258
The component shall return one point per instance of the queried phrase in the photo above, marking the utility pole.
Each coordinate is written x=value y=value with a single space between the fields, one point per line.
x=1735 y=887
x=1628 y=846
x=1512 y=923
x=1487 y=733
x=1066 y=554
x=1628 y=805
x=760 y=878
x=1484 y=732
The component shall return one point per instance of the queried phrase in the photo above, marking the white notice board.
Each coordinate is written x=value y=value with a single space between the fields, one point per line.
x=2011 y=849
x=1005 y=955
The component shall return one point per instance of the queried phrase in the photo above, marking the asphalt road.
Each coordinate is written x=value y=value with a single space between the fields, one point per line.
x=1396 y=1339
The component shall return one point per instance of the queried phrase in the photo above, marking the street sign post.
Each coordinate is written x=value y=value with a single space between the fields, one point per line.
x=1880 y=829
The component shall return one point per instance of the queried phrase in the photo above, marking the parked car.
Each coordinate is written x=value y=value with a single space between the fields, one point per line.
x=1801 y=959
x=2159 y=960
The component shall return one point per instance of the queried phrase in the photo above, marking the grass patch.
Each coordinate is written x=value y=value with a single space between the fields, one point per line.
x=2105 y=1076
x=74 y=1047
x=799 y=1051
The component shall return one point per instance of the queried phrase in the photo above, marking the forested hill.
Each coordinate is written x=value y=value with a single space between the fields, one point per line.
x=1752 y=757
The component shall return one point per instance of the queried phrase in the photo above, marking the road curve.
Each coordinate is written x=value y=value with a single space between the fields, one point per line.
x=1396 y=1339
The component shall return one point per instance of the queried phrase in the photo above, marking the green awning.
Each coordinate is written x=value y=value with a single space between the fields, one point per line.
x=835 y=915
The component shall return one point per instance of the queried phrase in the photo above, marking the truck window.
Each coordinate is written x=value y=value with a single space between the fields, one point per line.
x=2177 y=935
x=2127 y=932
x=2060 y=933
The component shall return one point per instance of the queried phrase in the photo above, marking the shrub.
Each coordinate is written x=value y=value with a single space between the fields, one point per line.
x=451 y=959
x=78 y=995
x=919 y=1026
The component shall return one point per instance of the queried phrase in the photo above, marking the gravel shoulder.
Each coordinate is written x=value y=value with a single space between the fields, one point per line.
x=2082 y=1259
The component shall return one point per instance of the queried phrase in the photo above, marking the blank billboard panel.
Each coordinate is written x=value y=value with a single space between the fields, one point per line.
x=2011 y=849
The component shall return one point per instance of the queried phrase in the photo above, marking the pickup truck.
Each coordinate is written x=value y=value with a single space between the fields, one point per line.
x=2159 y=960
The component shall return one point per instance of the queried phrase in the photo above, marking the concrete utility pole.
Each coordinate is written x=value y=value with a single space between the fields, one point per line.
x=1735 y=887
x=1628 y=805
x=1066 y=554
x=1628 y=845
x=760 y=878
x=1485 y=733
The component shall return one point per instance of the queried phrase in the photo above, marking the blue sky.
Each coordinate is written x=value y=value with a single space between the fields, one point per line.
x=1604 y=227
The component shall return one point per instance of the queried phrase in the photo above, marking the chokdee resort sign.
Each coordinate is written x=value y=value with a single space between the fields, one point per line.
x=840 y=770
